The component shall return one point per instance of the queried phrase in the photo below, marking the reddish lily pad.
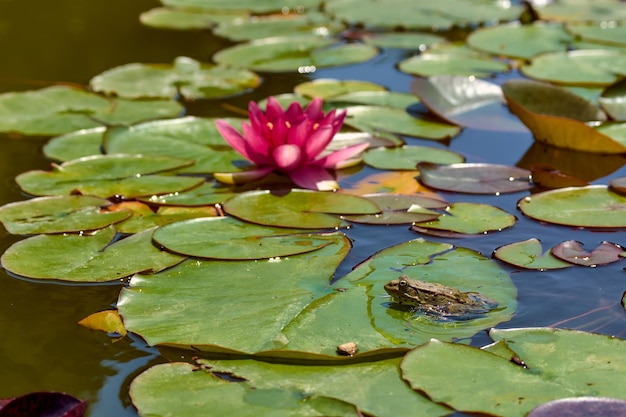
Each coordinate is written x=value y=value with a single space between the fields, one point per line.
x=59 y=214
x=590 y=206
x=86 y=258
x=229 y=238
x=581 y=407
x=528 y=254
x=557 y=117
x=49 y=404
x=109 y=175
x=395 y=209
x=298 y=208
x=475 y=178
x=466 y=101
x=618 y=185
x=460 y=219
x=573 y=252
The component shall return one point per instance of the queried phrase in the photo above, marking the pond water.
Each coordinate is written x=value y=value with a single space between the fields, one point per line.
x=69 y=40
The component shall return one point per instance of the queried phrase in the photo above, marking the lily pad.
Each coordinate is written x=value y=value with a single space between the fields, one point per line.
x=301 y=53
x=327 y=88
x=460 y=219
x=109 y=175
x=264 y=389
x=618 y=185
x=190 y=138
x=407 y=157
x=185 y=76
x=74 y=145
x=403 y=40
x=466 y=101
x=475 y=178
x=244 y=5
x=297 y=208
x=458 y=62
x=572 y=251
x=394 y=99
x=398 y=121
x=185 y=19
x=107 y=321
x=400 y=182
x=528 y=254
x=209 y=193
x=574 y=11
x=144 y=217
x=613 y=100
x=86 y=258
x=59 y=214
x=228 y=238
x=58 y=109
x=557 y=117
x=599 y=67
x=591 y=206
x=560 y=363
x=395 y=209
x=517 y=40
x=548 y=177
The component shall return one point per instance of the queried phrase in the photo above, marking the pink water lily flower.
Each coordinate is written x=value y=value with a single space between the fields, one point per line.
x=291 y=142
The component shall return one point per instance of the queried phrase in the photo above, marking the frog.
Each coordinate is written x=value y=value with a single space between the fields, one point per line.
x=438 y=300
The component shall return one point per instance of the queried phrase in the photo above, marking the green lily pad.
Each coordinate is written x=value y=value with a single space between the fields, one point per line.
x=560 y=363
x=613 y=100
x=59 y=215
x=601 y=33
x=572 y=251
x=74 y=145
x=257 y=27
x=591 y=206
x=109 y=175
x=209 y=193
x=228 y=238
x=58 y=109
x=466 y=101
x=520 y=41
x=190 y=138
x=395 y=209
x=528 y=254
x=407 y=157
x=375 y=98
x=185 y=76
x=144 y=217
x=278 y=390
x=475 y=178
x=557 y=117
x=86 y=258
x=185 y=19
x=599 y=67
x=461 y=62
x=297 y=208
x=403 y=40
x=244 y=5
x=574 y=11
x=301 y=53
x=398 y=121
x=467 y=219
x=327 y=88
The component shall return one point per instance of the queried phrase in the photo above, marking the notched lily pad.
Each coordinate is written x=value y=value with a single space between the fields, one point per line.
x=475 y=178
x=528 y=254
x=86 y=258
x=185 y=76
x=110 y=175
x=572 y=251
x=59 y=214
x=297 y=208
x=395 y=209
x=228 y=238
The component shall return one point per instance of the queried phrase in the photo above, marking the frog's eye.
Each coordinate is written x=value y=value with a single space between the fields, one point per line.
x=402 y=283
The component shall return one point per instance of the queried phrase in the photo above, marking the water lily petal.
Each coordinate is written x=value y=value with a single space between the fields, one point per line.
x=299 y=134
x=242 y=177
x=318 y=140
x=257 y=117
x=334 y=159
x=257 y=147
x=314 y=178
x=234 y=139
x=287 y=157
x=273 y=111
x=294 y=113
x=314 y=109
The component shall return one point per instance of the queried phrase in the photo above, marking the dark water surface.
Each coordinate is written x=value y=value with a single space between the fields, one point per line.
x=43 y=348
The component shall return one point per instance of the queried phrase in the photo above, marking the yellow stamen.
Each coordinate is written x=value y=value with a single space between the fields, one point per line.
x=270 y=125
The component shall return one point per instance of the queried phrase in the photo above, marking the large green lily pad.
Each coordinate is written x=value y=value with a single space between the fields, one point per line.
x=185 y=76
x=145 y=217
x=559 y=363
x=186 y=19
x=279 y=390
x=297 y=208
x=590 y=206
x=452 y=61
x=407 y=157
x=58 y=109
x=229 y=238
x=301 y=53
x=461 y=218
x=190 y=138
x=254 y=6
x=59 y=215
x=208 y=193
x=109 y=175
x=74 y=145
x=528 y=254
x=86 y=257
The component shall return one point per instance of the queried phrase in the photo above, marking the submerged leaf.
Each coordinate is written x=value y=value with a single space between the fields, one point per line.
x=107 y=321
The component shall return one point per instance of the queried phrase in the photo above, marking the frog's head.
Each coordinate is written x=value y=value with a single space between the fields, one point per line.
x=399 y=290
